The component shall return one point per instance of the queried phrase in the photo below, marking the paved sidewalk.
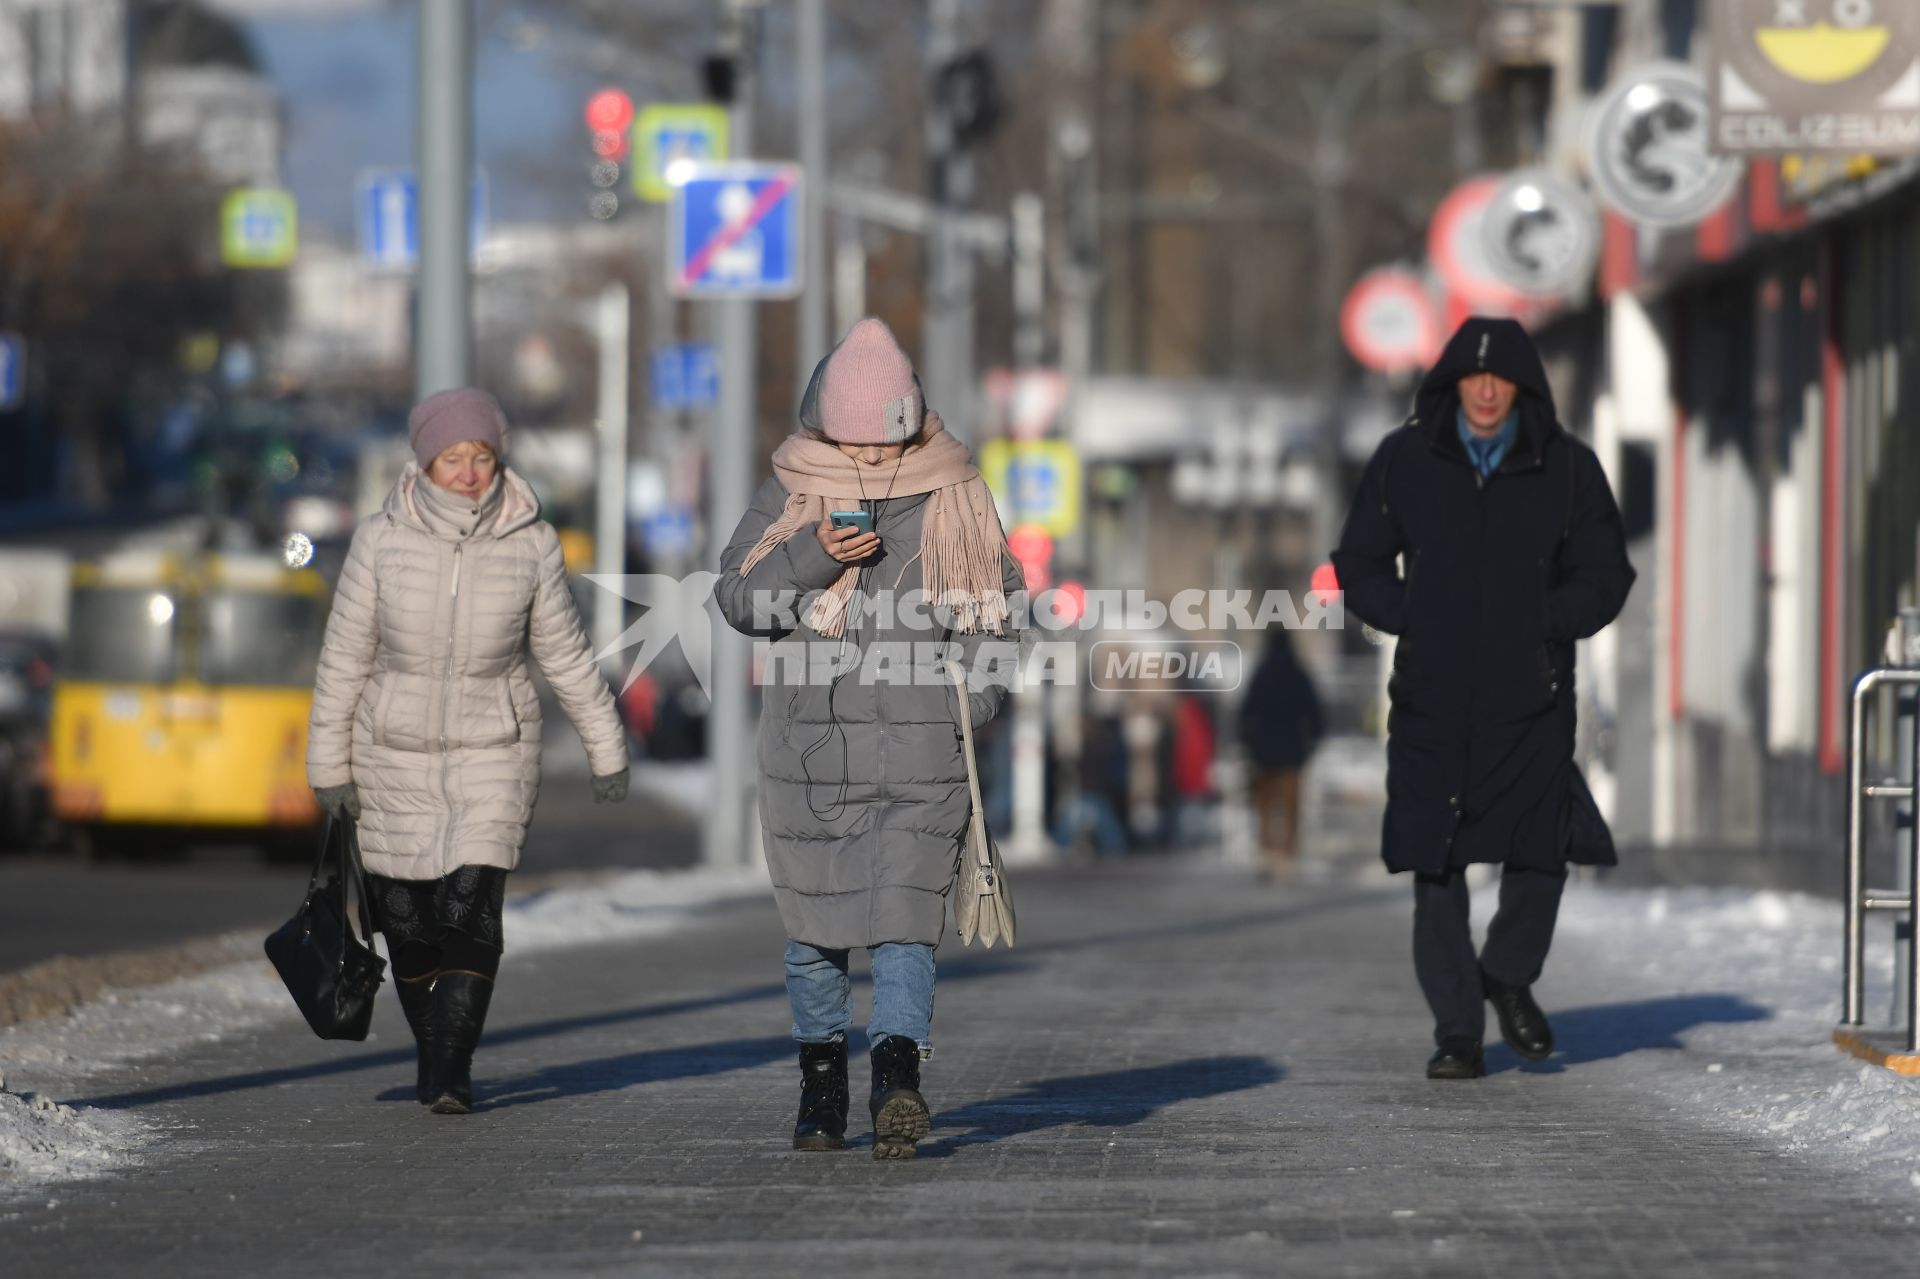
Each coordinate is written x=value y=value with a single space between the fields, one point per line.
x=1177 y=1073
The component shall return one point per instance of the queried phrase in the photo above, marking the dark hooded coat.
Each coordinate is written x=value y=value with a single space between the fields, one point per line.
x=1496 y=580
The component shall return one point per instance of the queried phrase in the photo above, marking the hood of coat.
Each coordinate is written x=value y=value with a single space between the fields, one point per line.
x=1500 y=347
x=509 y=505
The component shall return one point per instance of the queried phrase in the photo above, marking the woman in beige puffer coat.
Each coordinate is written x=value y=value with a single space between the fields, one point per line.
x=426 y=725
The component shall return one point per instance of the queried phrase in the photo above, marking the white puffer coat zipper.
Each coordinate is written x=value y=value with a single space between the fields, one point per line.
x=424 y=698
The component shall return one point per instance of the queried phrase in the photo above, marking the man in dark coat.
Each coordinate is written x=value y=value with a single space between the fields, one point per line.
x=1510 y=549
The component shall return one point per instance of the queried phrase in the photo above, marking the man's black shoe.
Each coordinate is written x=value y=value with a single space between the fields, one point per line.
x=1457 y=1059
x=1522 y=1024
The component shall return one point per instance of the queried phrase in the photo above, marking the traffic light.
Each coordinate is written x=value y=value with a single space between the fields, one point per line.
x=721 y=75
x=609 y=119
x=969 y=93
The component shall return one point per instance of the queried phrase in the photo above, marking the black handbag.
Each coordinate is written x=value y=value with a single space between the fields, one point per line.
x=331 y=974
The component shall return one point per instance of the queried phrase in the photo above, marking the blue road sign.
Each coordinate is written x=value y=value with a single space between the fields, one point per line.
x=685 y=376
x=1035 y=484
x=735 y=231
x=13 y=371
x=669 y=531
x=388 y=214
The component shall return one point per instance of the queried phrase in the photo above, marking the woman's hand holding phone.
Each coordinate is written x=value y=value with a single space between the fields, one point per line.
x=847 y=545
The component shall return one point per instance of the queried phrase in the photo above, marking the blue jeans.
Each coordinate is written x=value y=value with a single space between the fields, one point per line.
x=822 y=994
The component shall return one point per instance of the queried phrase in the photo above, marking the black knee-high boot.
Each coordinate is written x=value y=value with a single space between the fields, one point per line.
x=460 y=1000
x=415 y=964
x=416 y=1001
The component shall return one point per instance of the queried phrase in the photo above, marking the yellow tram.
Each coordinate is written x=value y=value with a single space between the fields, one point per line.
x=183 y=698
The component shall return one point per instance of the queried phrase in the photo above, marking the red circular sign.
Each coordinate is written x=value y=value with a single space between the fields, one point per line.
x=1389 y=321
x=1456 y=248
x=609 y=109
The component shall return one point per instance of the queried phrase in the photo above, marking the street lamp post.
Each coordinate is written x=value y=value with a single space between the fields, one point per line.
x=443 y=352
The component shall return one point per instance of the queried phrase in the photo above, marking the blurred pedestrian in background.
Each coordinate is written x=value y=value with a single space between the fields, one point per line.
x=1513 y=550
x=1280 y=725
x=1191 y=753
x=1096 y=811
x=426 y=725
x=863 y=788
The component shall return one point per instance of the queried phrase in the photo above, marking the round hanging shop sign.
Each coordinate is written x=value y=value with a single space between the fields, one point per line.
x=1649 y=148
x=1541 y=234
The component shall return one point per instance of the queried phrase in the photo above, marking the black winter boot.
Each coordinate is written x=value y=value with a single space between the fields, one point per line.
x=1522 y=1024
x=900 y=1117
x=416 y=1001
x=823 y=1097
x=1457 y=1059
x=460 y=1002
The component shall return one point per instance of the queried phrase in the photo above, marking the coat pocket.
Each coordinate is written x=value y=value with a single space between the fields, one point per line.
x=402 y=712
x=483 y=716
x=1548 y=673
x=381 y=695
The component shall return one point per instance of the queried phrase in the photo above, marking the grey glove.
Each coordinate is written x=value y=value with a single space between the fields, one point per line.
x=342 y=801
x=610 y=789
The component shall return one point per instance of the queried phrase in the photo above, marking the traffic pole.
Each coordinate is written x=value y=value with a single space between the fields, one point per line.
x=1028 y=839
x=443 y=347
x=613 y=326
x=947 y=351
x=732 y=832
x=812 y=20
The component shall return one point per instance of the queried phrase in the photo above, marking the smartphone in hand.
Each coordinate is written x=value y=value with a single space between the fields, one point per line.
x=851 y=519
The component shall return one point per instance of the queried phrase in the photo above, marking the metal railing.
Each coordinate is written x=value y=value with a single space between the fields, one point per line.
x=1859 y=898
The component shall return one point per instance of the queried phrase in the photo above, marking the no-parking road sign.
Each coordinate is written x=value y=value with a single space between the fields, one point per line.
x=736 y=232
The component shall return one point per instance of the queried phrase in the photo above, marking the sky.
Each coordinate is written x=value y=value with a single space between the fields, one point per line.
x=347 y=75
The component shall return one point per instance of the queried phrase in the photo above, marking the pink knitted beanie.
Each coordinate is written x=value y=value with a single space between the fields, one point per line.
x=868 y=394
x=448 y=418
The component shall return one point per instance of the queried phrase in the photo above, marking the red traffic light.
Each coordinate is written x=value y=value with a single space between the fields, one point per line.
x=609 y=110
x=1325 y=583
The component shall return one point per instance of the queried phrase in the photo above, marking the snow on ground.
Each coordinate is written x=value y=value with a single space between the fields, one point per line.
x=1758 y=975
x=686 y=786
x=53 y=1056
x=42 y=1141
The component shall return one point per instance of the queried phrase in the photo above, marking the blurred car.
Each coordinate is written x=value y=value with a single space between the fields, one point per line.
x=26 y=698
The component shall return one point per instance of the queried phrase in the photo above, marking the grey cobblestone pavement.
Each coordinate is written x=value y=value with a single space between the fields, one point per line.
x=1176 y=1073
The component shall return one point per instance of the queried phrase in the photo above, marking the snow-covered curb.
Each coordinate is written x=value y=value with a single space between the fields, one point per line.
x=40 y=1144
x=1768 y=1068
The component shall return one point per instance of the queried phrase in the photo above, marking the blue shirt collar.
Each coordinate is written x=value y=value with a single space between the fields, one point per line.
x=1486 y=454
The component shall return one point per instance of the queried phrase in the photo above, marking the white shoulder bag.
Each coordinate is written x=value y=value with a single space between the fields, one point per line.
x=982 y=903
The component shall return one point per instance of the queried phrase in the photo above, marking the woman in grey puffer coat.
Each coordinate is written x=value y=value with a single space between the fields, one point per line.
x=426 y=726
x=863 y=785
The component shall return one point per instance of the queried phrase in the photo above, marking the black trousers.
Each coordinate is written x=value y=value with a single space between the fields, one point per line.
x=1518 y=939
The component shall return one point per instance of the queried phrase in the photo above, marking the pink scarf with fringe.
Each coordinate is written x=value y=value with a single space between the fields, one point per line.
x=962 y=545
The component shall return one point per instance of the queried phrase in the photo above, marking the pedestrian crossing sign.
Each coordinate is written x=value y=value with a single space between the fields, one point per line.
x=259 y=227
x=1034 y=482
x=667 y=138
